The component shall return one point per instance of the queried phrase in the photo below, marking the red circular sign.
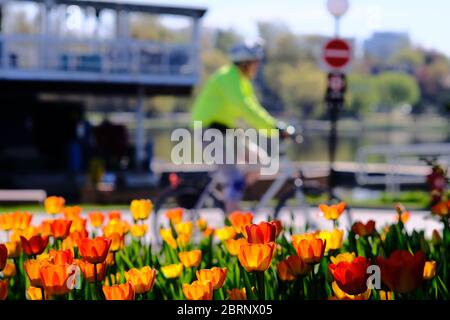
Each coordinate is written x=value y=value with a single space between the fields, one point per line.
x=337 y=53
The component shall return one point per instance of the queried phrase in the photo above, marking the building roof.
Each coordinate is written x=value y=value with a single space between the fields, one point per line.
x=193 y=12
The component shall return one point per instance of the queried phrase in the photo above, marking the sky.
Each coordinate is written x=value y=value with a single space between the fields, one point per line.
x=427 y=22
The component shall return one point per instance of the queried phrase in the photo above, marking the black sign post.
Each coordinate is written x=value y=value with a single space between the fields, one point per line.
x=337 y=86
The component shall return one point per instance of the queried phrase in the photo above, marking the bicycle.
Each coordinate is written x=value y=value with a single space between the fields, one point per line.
x=204 y=190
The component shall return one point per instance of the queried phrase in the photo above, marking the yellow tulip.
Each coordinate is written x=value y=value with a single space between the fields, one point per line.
x=167 y=236
x=172 y=271
x=225 y=233
x=346 y=256
x=334 y=239
x=141 y=209
x=34 y=293
x=341 y=295
x=138 y=231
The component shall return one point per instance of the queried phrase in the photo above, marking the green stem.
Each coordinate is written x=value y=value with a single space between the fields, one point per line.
x=261 y=286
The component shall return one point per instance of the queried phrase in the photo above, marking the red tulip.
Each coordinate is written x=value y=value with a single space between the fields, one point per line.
x=35 y=245
x=402 y=272
x=3 y=256
x=351 y=277
x=264 y=232
x=362 y=229
x=60 y=228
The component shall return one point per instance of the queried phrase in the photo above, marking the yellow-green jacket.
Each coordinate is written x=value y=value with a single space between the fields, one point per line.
x=228 y=97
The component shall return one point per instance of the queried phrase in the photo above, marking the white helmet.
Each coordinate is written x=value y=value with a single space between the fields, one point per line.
x=247 y=51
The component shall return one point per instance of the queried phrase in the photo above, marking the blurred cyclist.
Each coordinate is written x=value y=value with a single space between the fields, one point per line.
x=228 y=99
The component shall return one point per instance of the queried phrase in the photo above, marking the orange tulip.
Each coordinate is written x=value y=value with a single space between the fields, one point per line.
x=351 y=277
x=54 y=205
x=190 y=259
x=9 y=271
x=234 y=245
x=61 y=257
x=94 y=250
x=292 y=267
x=116 y=226
x=72 y=213
x=21 y=220
x=215 y=275
x=441 y=209
x=88 y=270
x=110 y=259
x=208 y=232
x=60 y=228
x=6 y=221
x=237 y=294
x=96 y=219
x=429 y=270
x=71 y=241
x=198 y=290
x=309 y=247
x=402 y=272
x=117 y=242
x=364 y=230
x=46 y=228
x=256 y=257
x=239 y=220
x=78 y=225
x=54 y=279
x=175 y=215
x=142 y=279
x=14 y=249
x=34 y=293
x=3 y=289
x=172 y=271
x=332 y=212
x=3 y=256
x=119 y=292
x=114 y=215
x=260 y=233
x=225 y=233
x=32 y=268
x=202 y=225
x=35 y=245
x=141 y=209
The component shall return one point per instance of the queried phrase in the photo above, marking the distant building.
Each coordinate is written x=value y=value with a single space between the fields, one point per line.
x=384 y=45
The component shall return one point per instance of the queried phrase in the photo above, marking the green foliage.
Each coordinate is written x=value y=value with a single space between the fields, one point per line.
x=397 y=88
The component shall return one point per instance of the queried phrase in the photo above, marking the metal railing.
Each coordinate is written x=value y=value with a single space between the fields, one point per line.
x=42 y=57
x=403 y=164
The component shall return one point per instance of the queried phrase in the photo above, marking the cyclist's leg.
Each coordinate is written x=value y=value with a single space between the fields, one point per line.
x=234 y=185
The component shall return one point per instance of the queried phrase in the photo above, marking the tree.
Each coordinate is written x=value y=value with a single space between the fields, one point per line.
x=397 y=88
x=362 y=95
x=301 y=87
x=225 y=39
